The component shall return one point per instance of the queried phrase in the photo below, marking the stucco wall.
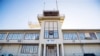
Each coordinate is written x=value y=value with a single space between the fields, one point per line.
x=72 y=50
x=10 y=49
x=92 y=49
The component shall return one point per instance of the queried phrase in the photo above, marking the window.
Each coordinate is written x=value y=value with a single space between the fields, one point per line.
x=46 y=34
x=55 y=34
x=2 y=36
x=92 y=35
x=31 y=36
x=15 y=36
x=29 y=49
x=70 y=36
x=98 y=34
x=37 y=36
x=82 y=35
x=51 y=30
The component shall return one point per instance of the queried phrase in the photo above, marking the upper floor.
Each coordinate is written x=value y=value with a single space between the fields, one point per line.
x=35 y=35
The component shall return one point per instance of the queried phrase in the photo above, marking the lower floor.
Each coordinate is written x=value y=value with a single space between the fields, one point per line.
x=50 y=49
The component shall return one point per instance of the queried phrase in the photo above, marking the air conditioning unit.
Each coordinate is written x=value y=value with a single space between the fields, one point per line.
x=88 y=38
x=19 y=40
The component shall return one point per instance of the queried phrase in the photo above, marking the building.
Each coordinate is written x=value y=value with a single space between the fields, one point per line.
x=50 y=40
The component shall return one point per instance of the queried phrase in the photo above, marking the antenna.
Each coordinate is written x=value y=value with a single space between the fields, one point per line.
x=57 y=4
x=45 y=4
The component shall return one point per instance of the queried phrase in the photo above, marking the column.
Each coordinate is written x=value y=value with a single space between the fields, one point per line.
x=39 y=50
x=62 y=46
x=57 y=49
x=44 y=51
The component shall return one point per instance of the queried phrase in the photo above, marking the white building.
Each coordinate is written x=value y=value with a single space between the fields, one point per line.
x=50 y=40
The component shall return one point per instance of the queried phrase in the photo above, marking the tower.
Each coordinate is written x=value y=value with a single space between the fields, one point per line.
x=51 y=41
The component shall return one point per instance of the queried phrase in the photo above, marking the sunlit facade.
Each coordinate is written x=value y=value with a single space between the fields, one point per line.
x=50 y=39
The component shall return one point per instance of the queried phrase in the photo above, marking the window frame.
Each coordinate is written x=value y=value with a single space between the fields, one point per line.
x=14 y=33
x=48 y=37
x=25 y=49
x=98 y=37
x=82 y=35
x=70 y=34
x=93 y=37
x=35 y=36
x=3 y=36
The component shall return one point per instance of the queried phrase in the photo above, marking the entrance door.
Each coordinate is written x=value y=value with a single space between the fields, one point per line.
x=51 y=50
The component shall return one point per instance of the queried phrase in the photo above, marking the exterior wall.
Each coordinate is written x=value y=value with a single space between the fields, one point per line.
x=14 y=49
x=79 y=50
x=92 y=48
x=53 y=41
x=10 y=49
x=71 y=50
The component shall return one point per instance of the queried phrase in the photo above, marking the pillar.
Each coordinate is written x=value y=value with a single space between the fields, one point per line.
x=57 y=49
x=44 y=51
x=39 y=50
x=62 y=46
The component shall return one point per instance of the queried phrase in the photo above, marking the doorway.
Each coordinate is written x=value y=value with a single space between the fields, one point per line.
x=51 y=50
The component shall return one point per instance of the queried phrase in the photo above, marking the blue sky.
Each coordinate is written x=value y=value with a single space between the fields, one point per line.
x=79 y=14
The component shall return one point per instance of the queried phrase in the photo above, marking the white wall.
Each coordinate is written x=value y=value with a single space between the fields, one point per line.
x=73 y=49
x=92 y=49
x=13 y=49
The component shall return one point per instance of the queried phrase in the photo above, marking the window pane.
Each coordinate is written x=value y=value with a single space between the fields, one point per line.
x=82 y=36
x=37 y=36
x=29 y=49
x=52 y=31
x=2 y=36
x=46 y=34
x=98 y=34
x=51 y=24
x=55 y=24
x=46 y=24
x=92 y=35
x=55 y=34
x=32 y=36
x=15 y=36
x=70 y=36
